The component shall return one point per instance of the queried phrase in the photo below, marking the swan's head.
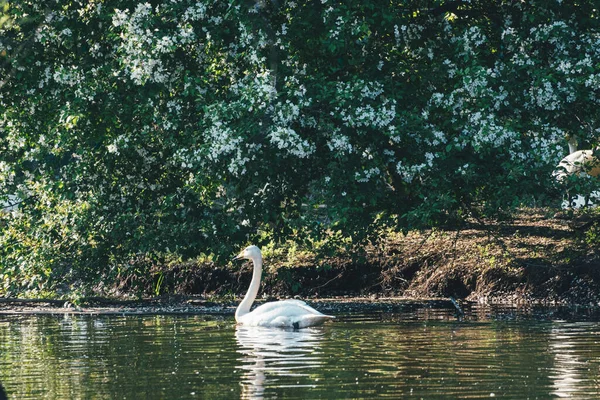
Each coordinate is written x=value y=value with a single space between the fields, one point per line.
x=249 y=253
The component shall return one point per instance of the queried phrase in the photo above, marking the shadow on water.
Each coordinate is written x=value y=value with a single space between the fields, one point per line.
x=272 y=353
x=2 y=393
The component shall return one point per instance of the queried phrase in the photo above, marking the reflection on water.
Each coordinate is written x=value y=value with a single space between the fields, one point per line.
x=419 y=353
x=269 y=353
x=569 y=345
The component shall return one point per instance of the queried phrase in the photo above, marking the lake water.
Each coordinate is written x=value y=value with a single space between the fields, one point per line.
x=420 y=353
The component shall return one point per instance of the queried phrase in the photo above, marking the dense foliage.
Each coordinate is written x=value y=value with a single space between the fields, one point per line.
x=130 y=129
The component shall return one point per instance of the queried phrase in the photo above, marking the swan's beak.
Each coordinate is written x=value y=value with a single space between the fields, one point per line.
x=238 y=257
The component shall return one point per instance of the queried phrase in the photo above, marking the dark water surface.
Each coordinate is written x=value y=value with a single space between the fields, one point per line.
x=422 y=353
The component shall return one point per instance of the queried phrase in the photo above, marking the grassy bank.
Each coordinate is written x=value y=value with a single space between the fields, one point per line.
x=538 y=255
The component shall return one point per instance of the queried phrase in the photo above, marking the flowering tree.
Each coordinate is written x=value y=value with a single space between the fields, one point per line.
x=131 y=128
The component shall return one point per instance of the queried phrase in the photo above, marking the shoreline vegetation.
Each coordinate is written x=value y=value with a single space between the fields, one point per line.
x=539 y=257
x=369 y=149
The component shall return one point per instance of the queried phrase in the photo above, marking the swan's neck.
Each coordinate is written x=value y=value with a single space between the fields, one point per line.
x=244 y=307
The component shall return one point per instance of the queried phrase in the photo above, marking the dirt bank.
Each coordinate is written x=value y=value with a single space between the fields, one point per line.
x=537 y=256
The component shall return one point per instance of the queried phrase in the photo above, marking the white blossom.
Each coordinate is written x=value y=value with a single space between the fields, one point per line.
x=287 y=139
x=112 y=148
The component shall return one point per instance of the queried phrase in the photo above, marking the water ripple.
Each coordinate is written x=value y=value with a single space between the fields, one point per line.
x=427 y=353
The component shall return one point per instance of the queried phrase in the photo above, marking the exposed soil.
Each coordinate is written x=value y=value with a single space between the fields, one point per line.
x=538 y=256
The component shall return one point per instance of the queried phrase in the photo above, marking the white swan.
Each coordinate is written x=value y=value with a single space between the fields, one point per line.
x=584 y=163
x=294 y=314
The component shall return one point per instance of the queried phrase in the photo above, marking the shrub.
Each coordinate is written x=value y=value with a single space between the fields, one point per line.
x=133 y=128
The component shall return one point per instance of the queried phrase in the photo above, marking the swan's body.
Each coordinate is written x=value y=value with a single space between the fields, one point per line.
x=294 y=314
x=576 y=163
x=581 y=162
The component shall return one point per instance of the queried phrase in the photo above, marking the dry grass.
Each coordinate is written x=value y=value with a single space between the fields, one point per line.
x=537 y=255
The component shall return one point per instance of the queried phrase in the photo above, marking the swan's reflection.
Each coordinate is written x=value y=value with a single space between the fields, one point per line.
x=271 y=353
